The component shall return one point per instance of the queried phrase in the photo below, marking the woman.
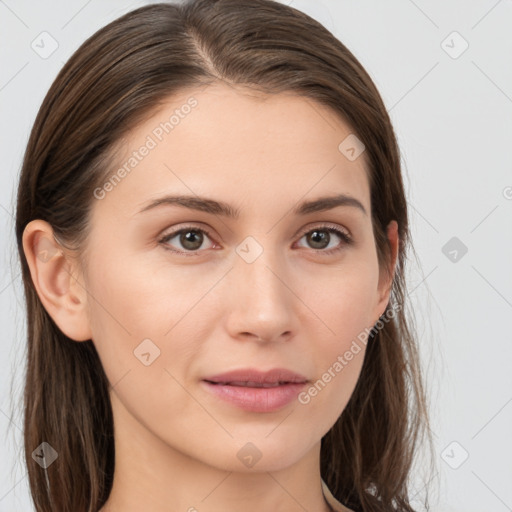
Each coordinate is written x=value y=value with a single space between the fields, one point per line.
x=213 y=229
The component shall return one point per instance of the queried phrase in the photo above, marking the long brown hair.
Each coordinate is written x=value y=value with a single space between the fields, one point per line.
x=115 y=80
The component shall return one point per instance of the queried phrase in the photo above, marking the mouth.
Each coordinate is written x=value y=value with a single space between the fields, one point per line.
x=250 y=384
x=255 y=391
x=255 y=378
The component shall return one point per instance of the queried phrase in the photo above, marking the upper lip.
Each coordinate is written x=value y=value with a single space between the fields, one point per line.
x=274 y=376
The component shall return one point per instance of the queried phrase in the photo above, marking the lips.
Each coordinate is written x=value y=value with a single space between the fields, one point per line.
x=257 y=379
x=251 y=384
x=255 y=391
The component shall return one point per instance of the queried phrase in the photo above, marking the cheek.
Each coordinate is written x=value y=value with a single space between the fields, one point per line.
x=343 y=299
x=142 y=323
x=338 y=360
x=132 y=300
x=329 y=394
x=345 y=307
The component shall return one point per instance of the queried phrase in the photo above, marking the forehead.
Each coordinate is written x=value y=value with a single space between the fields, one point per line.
x=238 y=144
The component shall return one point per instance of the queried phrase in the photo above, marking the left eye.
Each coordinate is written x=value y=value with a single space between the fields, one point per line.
x=191 y=239
x=319 y=239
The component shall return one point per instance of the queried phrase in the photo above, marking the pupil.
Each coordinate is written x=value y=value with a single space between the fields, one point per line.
x=187 y=239
x=319 y=237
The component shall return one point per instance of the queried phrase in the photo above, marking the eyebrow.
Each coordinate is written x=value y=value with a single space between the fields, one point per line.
x=212 y=206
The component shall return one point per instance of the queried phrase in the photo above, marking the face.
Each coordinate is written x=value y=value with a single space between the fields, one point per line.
x=181 y=292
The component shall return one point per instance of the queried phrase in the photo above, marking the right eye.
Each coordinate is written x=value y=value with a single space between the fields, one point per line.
x=191 y=239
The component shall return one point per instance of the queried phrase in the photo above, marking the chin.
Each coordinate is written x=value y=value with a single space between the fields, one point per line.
x=254 y=454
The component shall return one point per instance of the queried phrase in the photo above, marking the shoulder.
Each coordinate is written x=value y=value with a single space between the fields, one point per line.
x=333 y=502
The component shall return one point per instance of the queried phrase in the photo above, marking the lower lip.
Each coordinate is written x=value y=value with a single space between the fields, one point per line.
x=256 y=399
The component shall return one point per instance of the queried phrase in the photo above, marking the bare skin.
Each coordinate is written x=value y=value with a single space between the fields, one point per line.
x=295 y=306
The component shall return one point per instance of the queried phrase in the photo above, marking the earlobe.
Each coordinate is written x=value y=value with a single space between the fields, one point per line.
x=55 y=279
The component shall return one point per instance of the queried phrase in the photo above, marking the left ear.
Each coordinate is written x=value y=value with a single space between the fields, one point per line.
x=386 y=275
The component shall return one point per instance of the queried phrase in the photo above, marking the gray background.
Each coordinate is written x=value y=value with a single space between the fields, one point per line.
x=452 y=111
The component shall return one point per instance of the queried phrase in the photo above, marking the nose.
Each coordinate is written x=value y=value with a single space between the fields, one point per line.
x=262 y=303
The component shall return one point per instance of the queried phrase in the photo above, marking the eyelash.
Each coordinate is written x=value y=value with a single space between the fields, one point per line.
x=345 y=237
